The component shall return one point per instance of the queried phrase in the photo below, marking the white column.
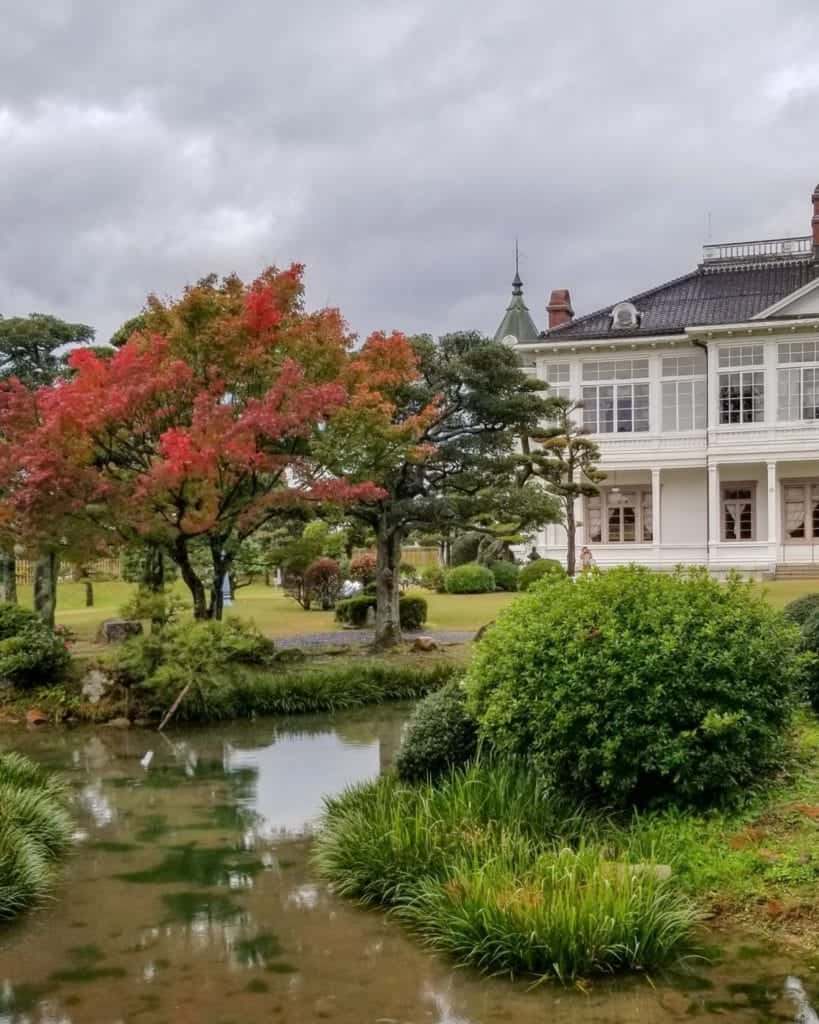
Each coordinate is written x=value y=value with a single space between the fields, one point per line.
x=713 y=508
x=773 y=533
x=656 y=510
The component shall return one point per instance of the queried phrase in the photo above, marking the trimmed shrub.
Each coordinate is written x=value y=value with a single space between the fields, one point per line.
x=810 y=641
x=362 y=568
x=412 y=610
x=802 y=609
x=31 y=652
x=441 y=734
x=465 y=549
x=322 y=581
x=352 y=611
x=470 y=579
x=635 y=688
x=434 y=578
x=534 y=571
x=506 y=575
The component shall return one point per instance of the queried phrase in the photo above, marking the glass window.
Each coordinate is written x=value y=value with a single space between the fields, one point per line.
x=684 y=404
x=619 y=516
x=798 y=397
x=801 y=510
x=740 y=355
x=742 y=397
x=557 y=376
x=684 y=366
x=799 y=352
x=738 y=512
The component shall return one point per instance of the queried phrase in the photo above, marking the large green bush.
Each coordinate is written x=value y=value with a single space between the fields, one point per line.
x=352 y=611
x=633 y=687
x=31 y=652
x=470 y=579
x=441 y=734
x=536 y=570
x=433 y=577
x=506 y=575
x=802 y=609
x=810 y=641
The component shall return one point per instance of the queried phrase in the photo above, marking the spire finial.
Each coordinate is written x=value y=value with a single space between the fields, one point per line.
x=517 y=284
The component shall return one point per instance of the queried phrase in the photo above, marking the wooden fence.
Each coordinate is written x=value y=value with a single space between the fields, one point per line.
x=105 y=567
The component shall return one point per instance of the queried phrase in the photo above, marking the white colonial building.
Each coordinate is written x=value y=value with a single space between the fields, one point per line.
x=703 y=395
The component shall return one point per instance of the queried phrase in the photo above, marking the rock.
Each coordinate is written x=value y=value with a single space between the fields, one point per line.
x=114 y=631
x=118 y=723
x=424 y=643
x=620 y=871
x=483 y=630
x=95 y=685
x=36 y=717
x=289 y=656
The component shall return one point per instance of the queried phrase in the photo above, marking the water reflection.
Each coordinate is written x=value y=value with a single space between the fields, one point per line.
x=193 y=899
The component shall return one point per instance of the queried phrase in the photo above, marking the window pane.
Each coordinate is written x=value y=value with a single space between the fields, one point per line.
x=593 y=510
x=699 y=404
x=745 y=522
x=590 y=409
x=640 y=406
x=729 y=514
x=629 y=524
x=648 y=531
x=605 y=409
x=615 y=535
x=625 y=409
x=669 y=405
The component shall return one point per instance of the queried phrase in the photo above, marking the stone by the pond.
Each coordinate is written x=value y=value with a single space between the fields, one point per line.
x=289 y=656
x=114 y=631
x=424 y=643
x=118 y=723
x=95 y=685
x=34 y=716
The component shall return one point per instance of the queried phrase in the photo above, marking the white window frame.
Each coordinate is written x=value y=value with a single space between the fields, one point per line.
x=797 y=372
x=807 y=484
x=737 y=485
x=751 y=379
x=643 y=513
x=619 y=378
x=681 y=374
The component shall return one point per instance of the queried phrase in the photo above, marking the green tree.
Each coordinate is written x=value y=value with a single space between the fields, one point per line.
x=565 y=459
x=32 y=349
x=448 y=454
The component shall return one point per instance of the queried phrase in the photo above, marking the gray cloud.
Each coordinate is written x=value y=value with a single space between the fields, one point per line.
x=396 y=148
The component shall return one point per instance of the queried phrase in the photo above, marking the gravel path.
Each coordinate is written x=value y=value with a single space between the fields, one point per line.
x=350 y=637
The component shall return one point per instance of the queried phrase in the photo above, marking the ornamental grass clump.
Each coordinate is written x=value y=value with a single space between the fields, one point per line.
x=631 y=687
x=487 y=868
x=35 y=829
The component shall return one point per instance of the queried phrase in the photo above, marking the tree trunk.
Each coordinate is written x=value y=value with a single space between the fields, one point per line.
x=387 y=588
x=45 y=586
x=8 y=577
x=221 y=569
x=571 y=530
x=192 y=581
x=89 y=592
x=153 y=568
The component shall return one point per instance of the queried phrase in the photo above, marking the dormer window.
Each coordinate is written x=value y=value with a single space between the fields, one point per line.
x=624 y=317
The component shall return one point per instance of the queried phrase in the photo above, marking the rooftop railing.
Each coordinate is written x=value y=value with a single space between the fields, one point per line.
x=765 y=249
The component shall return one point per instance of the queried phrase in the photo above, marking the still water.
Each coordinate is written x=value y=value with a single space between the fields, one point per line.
x=190 y=897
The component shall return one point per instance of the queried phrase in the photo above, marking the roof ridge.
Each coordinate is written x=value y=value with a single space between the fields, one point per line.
x=632 y=298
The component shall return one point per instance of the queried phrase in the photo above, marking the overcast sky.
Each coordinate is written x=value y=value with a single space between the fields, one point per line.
x=395 y=148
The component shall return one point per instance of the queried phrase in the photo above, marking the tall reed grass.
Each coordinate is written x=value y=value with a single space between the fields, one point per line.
x=486 y=867
x=35 y=829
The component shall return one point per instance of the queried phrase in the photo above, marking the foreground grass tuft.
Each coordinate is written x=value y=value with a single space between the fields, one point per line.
x=35 y=829
x=484 y=867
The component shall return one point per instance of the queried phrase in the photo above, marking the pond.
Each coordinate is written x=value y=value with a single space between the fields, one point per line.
x=190 y=897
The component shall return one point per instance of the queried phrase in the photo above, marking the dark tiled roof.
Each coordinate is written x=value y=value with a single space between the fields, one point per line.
x=708 y=295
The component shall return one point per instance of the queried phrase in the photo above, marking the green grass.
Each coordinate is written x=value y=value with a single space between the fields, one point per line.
x=275 y=614
x=35 y=829
x=486 y=868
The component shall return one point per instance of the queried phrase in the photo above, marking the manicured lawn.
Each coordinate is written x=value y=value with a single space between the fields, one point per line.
x=274 y=613
x=277 y=615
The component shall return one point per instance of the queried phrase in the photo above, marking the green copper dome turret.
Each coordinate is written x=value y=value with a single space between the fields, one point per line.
x=517 y=326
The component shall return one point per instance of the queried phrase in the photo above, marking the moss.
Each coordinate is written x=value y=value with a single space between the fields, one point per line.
x=201 y=865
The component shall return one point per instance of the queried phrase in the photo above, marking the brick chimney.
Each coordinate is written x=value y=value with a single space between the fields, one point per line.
x=560 y=302
x=814 y=223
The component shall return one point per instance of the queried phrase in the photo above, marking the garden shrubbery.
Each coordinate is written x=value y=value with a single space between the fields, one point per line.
x=632 y=687
x=486 y=867
x=440 y=734
x=352 y=611
x=470 y=578
x=536 y=570
x=434 y=578
x=802 y=609
x=506 y=575
x=31 y=652
x=35 y=829
x=810 y=642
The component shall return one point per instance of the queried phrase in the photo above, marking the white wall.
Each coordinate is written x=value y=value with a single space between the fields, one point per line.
x=684 y=506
